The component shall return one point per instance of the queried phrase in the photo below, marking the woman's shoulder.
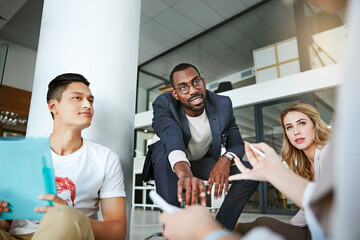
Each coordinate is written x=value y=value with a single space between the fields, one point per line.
x=324 y=152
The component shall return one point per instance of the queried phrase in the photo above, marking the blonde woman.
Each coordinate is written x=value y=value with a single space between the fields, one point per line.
x=304 y=149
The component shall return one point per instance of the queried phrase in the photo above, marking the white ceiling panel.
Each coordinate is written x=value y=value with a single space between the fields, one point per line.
x=151 y=8
x=150 y=46
x=169 y=2
x=161 y=34
x=229 y=34
x=266 y=38
x=174 y=59
x=211 y=44
x=178 y=22
x=159 y=68
x=232 y=58
x=198 y=12
x=250 y=24
x=285 y=30
x=226 y=8
x=193 y=51
x=8 y=9
x=273 y=13
x=215 y=64
x=143 y=19
x=245 y=48
x=143 y=55
x=249 y=3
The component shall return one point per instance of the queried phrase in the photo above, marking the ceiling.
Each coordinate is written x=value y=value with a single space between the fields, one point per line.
x=164 y=23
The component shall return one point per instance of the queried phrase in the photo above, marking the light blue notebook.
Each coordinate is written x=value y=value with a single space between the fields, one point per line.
x=26 y=171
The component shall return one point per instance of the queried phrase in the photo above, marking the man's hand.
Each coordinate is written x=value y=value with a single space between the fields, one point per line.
x=219 y=176
x=193 y=186
x=51 y=197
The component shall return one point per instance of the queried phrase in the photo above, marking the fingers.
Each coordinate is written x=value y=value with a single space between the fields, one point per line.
x=226 y=186
x=188 y=195
x=216 y=186
x=250 y=155
x=241 y=166
x=194 y=188
x=43 y=209
x=211 y=183
x=52 y=197
x=180 y=191
x=242 y=176
x=3 y=207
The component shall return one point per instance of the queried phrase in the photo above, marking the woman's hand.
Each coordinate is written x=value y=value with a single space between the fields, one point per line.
x=262 y=167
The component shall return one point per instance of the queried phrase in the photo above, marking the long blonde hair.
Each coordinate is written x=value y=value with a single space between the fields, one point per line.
x=295 y=158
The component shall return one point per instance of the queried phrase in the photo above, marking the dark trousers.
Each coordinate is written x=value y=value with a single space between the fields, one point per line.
x=287 y=231
x=234 y=202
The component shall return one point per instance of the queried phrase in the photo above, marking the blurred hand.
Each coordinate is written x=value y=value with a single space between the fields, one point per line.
x=194 y=223
x=194 y=188
x=3 y=207
x=262 y=167
x=219 y=177
x=51 y=197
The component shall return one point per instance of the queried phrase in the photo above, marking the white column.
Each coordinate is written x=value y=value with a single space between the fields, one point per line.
x=98 y=39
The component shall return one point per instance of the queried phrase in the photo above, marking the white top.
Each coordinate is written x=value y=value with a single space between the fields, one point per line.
x=321 y=154
x=199 y=143
x=83 y=178
x=314 y=226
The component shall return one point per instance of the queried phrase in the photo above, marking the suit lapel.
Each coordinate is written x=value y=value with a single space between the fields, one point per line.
x=215 y=147
x=185 y=125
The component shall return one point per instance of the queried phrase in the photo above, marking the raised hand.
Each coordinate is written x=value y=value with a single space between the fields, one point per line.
x=262 y=167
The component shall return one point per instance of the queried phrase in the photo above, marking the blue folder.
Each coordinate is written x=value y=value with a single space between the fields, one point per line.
x=26 y=171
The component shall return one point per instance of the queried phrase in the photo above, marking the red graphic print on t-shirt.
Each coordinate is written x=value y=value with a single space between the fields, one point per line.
x=67 y=188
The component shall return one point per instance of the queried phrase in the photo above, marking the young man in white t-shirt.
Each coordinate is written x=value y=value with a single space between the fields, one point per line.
x=86 y=174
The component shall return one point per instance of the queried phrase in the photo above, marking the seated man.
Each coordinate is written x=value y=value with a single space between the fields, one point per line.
x=193 y=124
x=86 y=173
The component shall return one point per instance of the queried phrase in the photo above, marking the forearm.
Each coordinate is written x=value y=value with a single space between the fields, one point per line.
x=5 y=224
x=108 y=229
x=289 y=183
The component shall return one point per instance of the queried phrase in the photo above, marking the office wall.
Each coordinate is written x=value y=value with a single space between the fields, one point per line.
x=20 y=67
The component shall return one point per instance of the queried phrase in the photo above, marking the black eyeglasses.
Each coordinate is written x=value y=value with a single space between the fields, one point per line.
x=185 y=88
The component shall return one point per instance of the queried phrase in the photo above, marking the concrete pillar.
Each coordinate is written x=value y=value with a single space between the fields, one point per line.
x=98 y=39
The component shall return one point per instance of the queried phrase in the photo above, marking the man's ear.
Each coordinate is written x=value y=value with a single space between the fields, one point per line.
x=52 y=106
x=174 y=93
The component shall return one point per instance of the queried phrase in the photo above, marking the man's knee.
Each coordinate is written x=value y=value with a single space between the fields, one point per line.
x=66 y=217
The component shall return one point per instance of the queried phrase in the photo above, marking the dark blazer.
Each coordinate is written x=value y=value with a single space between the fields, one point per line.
x=171 y=126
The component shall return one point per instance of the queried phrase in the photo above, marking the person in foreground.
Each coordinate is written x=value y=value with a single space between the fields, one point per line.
x=86 y=174
x=193 y=125
x=305 y=151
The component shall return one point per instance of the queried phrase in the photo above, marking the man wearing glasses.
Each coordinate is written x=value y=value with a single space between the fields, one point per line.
x=193 y=125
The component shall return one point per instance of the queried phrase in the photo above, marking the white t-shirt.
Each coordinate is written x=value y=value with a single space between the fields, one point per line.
x=199 y=143
x=83 y=178
x=321 y=154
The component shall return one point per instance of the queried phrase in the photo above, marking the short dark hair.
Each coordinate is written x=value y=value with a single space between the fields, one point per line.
x=59 y=84
x=181 y=67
